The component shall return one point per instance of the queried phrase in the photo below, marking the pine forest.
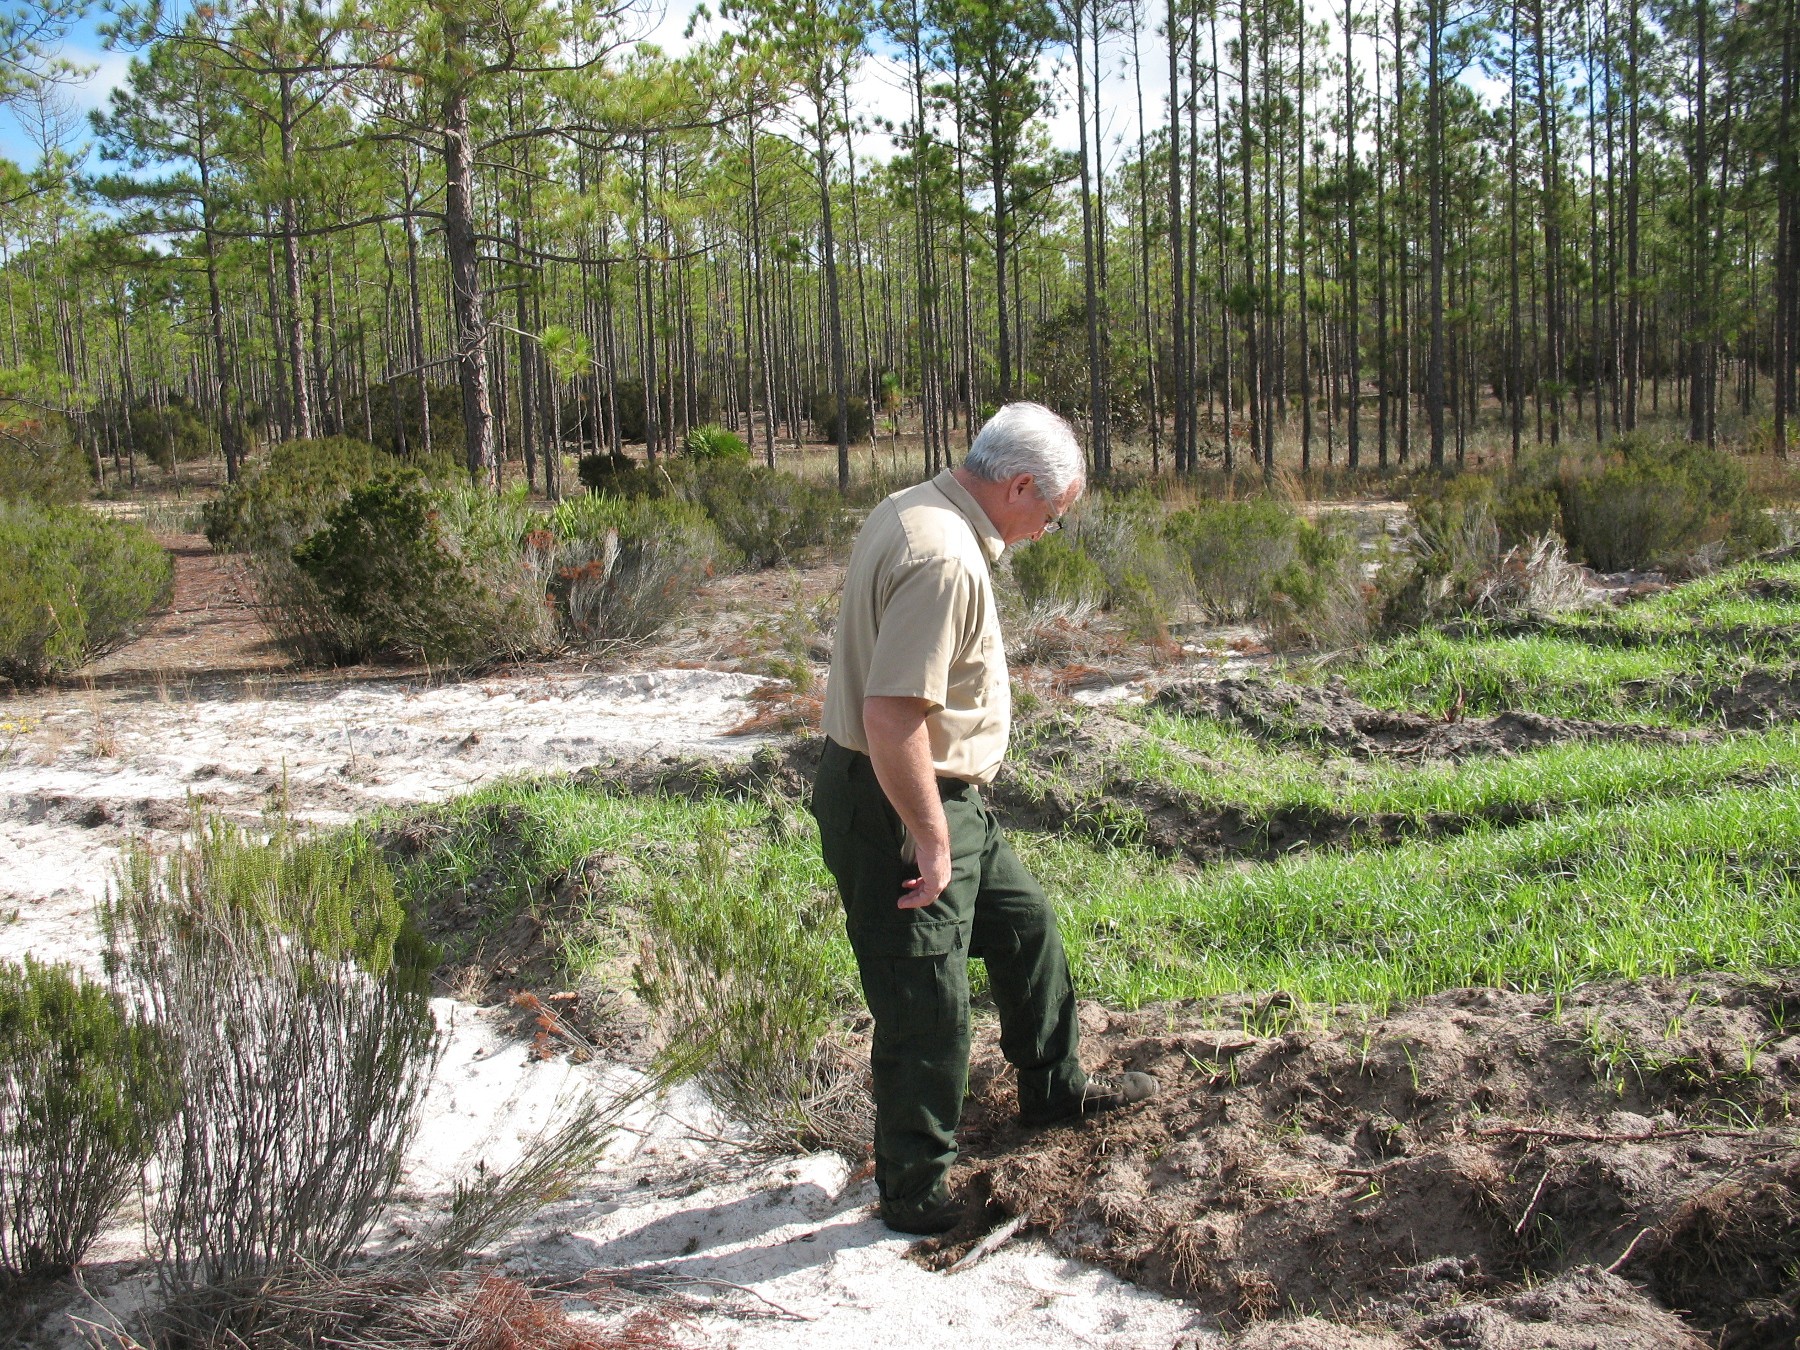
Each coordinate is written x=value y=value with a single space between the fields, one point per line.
x=1371 y=236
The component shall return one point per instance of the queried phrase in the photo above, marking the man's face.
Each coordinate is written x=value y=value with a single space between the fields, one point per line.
x=1031 y=514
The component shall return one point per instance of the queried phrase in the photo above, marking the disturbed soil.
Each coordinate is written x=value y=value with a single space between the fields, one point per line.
x=1477 y=1169
x=1330 y=718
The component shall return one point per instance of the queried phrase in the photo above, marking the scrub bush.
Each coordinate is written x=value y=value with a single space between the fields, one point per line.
x=823 y=409
x=82 y=1094
x=765 y=517
x=298 y=1043
x=72 y=586
x=40 y=462
x=715 y=442
x=621 y=569
x=285 y=497
x=399 y=569
x=597 y=471
x=174 y=434
x=1659 y=503
x=1234 y=551
x=749 y=1001
x=1055 y=570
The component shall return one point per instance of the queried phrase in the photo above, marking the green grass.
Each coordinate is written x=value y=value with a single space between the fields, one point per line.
x=1243 y=772
x=519 y=837
x=1704 y=882
x=1560 y=677
x=1586 y=664
x=1622 y=892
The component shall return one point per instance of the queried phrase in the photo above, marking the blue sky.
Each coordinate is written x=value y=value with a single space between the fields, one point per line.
x=879 y=91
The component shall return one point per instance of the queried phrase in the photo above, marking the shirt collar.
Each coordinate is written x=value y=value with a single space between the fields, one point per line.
x=992 y=545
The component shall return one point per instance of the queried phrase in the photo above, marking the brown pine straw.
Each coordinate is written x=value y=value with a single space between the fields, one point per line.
x=395 y=1307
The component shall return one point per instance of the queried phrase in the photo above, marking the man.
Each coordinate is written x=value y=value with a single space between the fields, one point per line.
x=916 y=720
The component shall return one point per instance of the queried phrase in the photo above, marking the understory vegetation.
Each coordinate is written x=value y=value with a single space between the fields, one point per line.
x=72 y=586
x=1651 y=838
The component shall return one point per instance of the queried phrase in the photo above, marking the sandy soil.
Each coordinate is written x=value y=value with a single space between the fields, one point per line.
x=199 y=715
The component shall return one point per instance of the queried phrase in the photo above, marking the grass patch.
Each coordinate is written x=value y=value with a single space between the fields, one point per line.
x=1237 y=770
x=1694 y=882
x=1629 y=891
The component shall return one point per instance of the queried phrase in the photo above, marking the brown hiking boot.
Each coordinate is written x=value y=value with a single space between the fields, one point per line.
x=1097 y=1095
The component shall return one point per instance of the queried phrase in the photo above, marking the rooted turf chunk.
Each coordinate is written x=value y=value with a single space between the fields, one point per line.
x=1459 y=1148
x=1329 y=717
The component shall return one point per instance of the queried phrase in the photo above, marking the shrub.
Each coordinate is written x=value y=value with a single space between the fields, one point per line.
x=72 y=585
x=764 y=516
x=598 y=471
x=1319 y=599
x=1234 y=552
x=40 y=462
x=621 y=569
x=278 y=502
x=715 y=442
x=174 y=434
x=82 y=1093
x=824 y=416
x=1146 y=579
x=297 y=1073
x=1054 y=569
x=400 y=570
x=1658 y=503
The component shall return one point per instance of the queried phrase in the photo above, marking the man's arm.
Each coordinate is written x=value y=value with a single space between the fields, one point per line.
x=900 y=749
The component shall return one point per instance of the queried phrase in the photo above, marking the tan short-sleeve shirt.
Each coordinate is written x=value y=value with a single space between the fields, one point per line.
x=918 y=620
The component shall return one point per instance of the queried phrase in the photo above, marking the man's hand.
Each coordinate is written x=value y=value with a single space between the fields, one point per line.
x=900 y=750
x=934 y=875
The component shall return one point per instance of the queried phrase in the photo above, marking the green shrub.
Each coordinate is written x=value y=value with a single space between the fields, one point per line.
x=172 y=435
x=715 y=442
x=287 y=495
x=621 y=569
x=1146 y=578
x=1055 y=569
x=748 y=995
x=824 y=416
x=598 y=471
x=1234 y=552
x=40 y=462
x=1659 y=503
x=72 y=585
x=1320 y=599
x=297 y=1074
x=82 y=1092
x=765 y=516
x=401 y=570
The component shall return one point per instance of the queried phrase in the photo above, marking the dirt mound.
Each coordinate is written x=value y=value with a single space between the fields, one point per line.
x=1328 y=717
x=1422 y=1170
x=1585 y=1309
x=1762 y=698
x=783 y=768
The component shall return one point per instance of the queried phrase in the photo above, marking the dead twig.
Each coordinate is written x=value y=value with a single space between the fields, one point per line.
x=1596 y=1137
x=990 y=1244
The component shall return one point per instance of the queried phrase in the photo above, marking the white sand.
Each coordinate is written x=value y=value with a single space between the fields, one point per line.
x=787 y=1252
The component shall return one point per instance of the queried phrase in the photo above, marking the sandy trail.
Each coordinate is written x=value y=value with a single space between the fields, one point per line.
x=785 y=1252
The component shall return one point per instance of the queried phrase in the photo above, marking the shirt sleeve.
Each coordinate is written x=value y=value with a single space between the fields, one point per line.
x=920 y=631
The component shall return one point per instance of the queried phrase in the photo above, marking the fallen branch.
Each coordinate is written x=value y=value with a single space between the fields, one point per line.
x=1596 y=1137
x=990 y=1244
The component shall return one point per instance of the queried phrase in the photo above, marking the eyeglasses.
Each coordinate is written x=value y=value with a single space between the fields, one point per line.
x=1052 y=525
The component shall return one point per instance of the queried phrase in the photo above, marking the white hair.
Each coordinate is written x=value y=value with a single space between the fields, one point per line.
x=1028 y=438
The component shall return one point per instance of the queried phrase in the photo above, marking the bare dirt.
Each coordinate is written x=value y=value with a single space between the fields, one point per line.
x=1480 y=1168
x=1328 y=717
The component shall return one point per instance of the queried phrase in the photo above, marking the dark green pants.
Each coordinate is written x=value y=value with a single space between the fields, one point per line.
x=914 y=967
